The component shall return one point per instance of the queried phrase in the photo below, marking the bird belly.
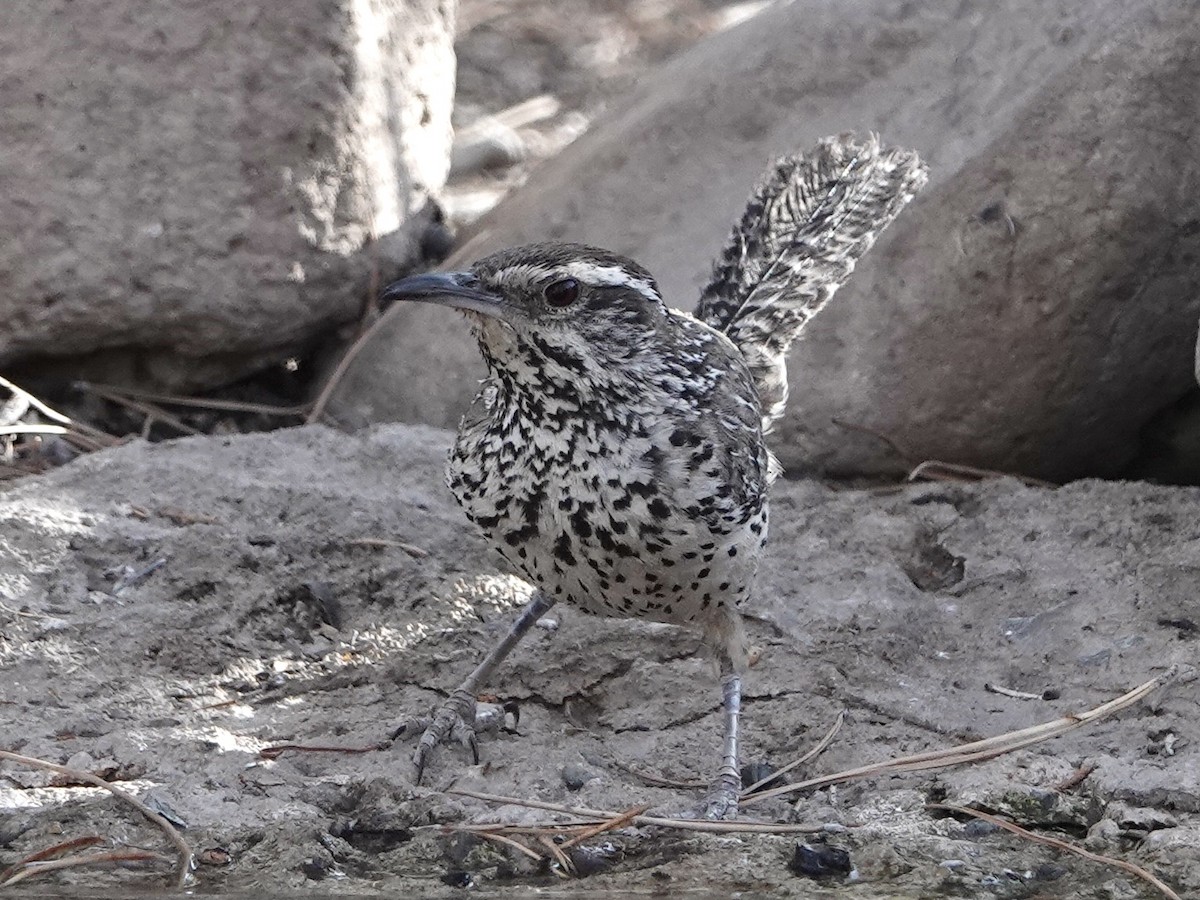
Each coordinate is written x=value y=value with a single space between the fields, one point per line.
x=605 y=537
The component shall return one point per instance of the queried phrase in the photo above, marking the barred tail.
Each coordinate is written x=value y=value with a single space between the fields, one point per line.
x=809 y=220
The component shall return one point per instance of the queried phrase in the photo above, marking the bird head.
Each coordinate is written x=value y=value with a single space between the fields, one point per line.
x=550 y=307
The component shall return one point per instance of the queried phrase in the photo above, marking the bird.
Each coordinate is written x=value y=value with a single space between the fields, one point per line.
x=616 y=455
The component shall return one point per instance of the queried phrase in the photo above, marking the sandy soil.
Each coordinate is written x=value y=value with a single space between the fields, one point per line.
x=286 y=612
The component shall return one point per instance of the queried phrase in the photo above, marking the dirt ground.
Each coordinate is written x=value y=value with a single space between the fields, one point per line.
x=317 y=588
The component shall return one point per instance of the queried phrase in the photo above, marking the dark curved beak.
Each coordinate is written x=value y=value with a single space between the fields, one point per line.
x=461 y=290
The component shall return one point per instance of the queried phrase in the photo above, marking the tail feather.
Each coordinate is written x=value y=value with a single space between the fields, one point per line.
x=806 y=225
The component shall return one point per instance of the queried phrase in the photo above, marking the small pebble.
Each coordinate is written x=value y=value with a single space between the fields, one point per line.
x=1104 y=834
x=315 y=869
x=213 y=856
x=575 y=777
x=1049 y=872
x=820 y=861
x=593 y=859
x=978 y=828
x=458 y=879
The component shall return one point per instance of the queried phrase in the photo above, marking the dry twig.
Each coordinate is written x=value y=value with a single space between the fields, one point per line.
x=511 y=842
x=815 y=751
x=43 y=408
x=565 y=866
x=1131 y=868
x=975 y=750
x=278 y=750
x=33 y=869
x=597 y=816
x=619 y=821
x=4 y=607
x=339 y=371
x=411 y=549
x=83 y=436
x=937 y=470
x=149 y=410
x=1075 y=779
x=181 y=846
x=33 y=429
x=194 y=402
x=50 y=852
x=657 y=780
x=1011 y=692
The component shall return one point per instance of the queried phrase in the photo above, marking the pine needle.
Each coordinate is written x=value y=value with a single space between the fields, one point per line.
x=974 y=751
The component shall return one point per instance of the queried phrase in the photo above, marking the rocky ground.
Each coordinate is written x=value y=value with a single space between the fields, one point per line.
x=317 y=588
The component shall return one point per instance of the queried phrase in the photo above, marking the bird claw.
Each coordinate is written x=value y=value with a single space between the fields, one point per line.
x=721 y=802
x=459 y=719
x=452 y=720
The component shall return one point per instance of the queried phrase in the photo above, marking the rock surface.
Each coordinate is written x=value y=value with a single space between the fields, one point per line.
x=1031 y=311
x=317 y=588
x=189 y=190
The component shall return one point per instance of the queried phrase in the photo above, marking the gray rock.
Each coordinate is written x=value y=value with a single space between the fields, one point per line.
x=1031 y=310
x=1104 y=834
x=188 y=191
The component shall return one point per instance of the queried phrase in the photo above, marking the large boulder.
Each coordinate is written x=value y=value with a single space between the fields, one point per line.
x=1029 y=312
x=187 y=189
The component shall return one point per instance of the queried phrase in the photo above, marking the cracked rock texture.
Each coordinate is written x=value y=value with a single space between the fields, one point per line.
x=188 y=189
x=1030 y=312
x=318 y=588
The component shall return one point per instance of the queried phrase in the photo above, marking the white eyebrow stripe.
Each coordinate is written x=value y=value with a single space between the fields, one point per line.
x=612 y=276
x=589 y=273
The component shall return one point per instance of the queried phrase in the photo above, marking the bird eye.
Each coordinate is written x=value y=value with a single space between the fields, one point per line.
x=562 y=293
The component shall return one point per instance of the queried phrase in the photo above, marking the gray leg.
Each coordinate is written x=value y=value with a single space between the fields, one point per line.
x=455 y=718
x=723 y=793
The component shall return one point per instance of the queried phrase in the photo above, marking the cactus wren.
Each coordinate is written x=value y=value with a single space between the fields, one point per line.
x=615 y=454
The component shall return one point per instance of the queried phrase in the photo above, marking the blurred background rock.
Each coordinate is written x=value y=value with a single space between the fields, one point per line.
x=210 y=202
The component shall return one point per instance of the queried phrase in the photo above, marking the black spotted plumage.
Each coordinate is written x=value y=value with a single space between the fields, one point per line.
x=615 y=454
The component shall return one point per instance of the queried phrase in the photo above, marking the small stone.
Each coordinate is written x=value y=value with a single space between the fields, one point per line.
x=820 y=861
x=576 y=776
x=1104 y=834
x=315 y=869
x=978 y=828
x=458 y=879
x=592 y=859
x=213 y=856
x=1049 y=872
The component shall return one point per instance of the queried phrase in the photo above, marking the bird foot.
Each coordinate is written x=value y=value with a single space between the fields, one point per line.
x=458 y=719
x=721 y=802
